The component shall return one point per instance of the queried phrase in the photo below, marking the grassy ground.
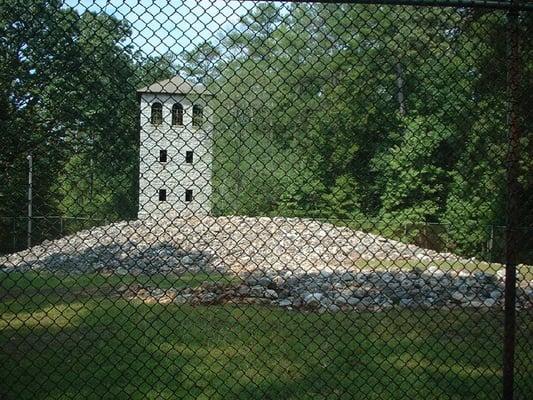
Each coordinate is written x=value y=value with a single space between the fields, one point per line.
x=65 y=338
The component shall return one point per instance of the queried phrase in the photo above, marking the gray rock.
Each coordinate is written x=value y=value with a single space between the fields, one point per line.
x=353 y=301
x=489 y=302
x=270 y=294
x=333 y=308
x=285 y=303
x=326 y=302
x=257 y=291
x=433 y=282
x=476 y=303
x=265 y=281
x=458 y=296
x=254 y=280
x=432 y=269
x=463 y=274
x=342 y=296
x=278 y=281
x=122 y=288
x=407 y=283
x=387 y=303
x=387 y=277
x=313 y=299
x=182 y=299
x=367 y=301
x=187 y=260
x=325 y=273
x=121 y=271
x=157 y=292
x=207 y=297
x=406 y=302
x=464 y=288
x=243 y=290
x=347 y=277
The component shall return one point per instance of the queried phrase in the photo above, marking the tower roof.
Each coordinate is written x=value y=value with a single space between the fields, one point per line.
x=175 y=85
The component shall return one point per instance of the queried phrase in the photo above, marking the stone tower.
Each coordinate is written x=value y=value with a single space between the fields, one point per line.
x=175 y=149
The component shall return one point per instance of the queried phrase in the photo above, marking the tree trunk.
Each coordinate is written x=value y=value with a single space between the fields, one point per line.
x=400 y=85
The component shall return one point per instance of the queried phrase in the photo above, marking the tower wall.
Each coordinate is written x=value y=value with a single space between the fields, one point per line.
x=175 y=175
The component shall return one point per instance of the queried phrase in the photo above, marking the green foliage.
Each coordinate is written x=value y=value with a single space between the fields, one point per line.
x=67 y=96
x=341 y=201
x=367 y=113
x=414 y=173
x=392 y=119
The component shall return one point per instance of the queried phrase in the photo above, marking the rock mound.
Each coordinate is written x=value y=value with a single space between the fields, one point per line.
x=375 y=290
x=286 y=262
x=242 y=245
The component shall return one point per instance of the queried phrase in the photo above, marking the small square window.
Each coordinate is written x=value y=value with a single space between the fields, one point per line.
x=189 y=157
x=162 y=156
x=162 y=195
x=188 y=195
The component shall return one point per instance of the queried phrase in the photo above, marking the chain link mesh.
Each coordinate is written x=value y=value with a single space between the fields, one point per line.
x=265 y=200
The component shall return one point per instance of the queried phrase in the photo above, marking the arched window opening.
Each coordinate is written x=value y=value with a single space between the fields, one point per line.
x=197 y=115
x=177 y=114
x=156 y=116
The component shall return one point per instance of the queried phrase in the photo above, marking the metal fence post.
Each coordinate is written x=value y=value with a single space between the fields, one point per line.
x=491 y=244
x=513 y=187
x=30 y=197
x=14 y=234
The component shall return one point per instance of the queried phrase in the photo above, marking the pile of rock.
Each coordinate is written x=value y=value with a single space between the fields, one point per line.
x=236 y=244
x=289 y=262
x=363 y=290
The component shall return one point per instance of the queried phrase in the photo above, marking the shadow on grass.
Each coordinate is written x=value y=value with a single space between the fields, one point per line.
x=66 y=337
x=64 y=278
x=109 y=348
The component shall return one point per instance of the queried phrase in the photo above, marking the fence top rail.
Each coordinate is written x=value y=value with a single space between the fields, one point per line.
x=518 y=5
x=51 y=217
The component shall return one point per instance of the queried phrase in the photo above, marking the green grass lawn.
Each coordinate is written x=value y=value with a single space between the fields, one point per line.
x=64 y=338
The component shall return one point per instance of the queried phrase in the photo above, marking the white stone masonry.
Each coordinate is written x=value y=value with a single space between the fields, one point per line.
x=176 y=175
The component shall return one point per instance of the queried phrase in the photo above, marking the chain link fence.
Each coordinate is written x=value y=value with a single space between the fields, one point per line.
x=266 y=200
